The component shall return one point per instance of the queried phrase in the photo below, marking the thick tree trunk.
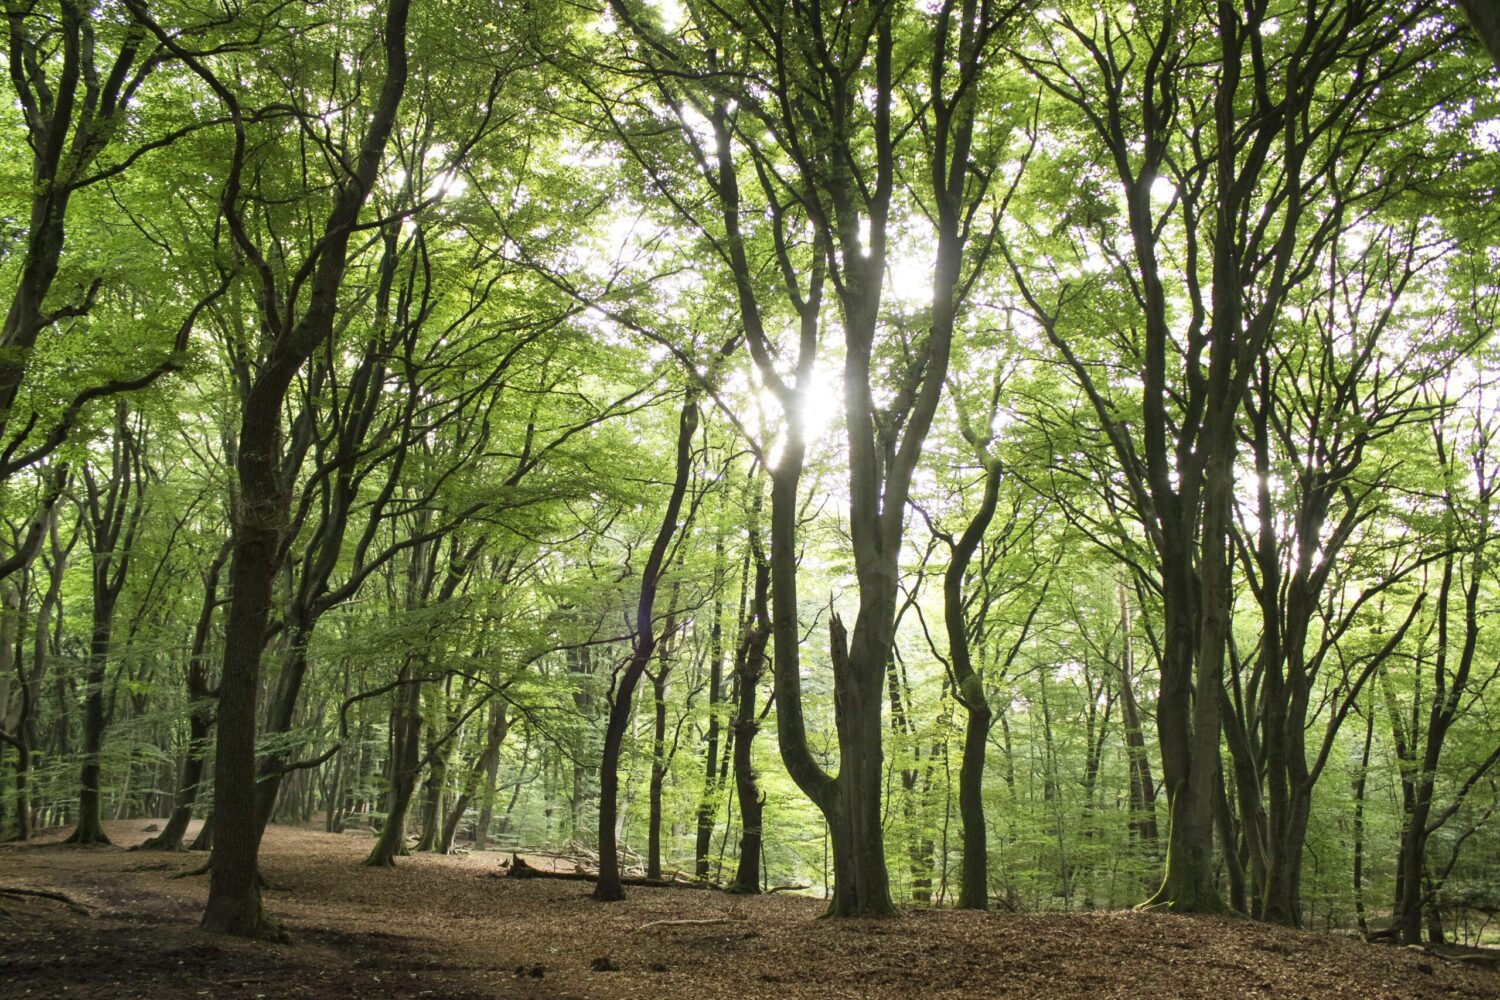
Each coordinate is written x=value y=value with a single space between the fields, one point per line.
x=234 y=905
x=861 y=882
x=1187 y=883
x=1484 y=17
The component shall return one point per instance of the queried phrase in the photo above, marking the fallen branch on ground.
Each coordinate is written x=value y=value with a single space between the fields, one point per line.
x=518 y=868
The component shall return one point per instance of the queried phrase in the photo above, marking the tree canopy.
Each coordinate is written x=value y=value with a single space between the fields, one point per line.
x=951 y=453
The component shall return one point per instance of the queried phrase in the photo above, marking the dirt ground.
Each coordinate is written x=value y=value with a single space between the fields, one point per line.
x=446 y=927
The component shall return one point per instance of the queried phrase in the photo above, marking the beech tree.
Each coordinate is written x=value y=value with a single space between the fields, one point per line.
x=1021 y=447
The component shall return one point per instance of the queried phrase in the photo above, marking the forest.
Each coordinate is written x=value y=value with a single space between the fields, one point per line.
x=882 y=458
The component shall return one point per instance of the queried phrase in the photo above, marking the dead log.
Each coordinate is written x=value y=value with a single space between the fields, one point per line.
x=518 y=868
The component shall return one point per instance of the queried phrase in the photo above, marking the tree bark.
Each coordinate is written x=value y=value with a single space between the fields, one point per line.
x=608 y=888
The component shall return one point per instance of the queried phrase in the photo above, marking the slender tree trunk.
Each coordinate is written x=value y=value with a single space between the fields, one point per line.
x=487 y=809
x=200 y=718
x=749 y=668
x=658 y=764
x=708 y=804
x=974 y=891
x=432 y=798
x=1224 y=821
x=1142 y=787
x=485 y=765
x=1359 y=824
x=608 y=887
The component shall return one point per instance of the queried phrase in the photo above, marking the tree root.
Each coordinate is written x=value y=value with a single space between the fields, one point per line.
x=57 y=897
x=192 y=872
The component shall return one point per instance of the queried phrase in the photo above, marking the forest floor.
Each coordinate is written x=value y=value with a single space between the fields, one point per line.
x=446 y=927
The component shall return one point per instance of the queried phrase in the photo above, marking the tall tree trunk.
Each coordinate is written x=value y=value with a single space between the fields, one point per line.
x=708 y=803
x=608 y=887
x=1359 y=824
x=112 y=513
x=749 y=669
x=263 y=504
x=1142 y=787
x=90 y=830
x=658 y=761
x=487 y=808
x=974 y=891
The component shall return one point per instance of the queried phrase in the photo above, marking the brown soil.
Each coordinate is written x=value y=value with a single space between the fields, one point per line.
x=445 y=927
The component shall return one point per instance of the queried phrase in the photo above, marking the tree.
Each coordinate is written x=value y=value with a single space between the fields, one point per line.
x=643 y=642
x=294 y=328
x=1234 y=172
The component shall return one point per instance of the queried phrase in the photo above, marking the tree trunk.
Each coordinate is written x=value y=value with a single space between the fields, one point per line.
x=487 y=810
x=405 y=766
x=1142 y=787
x=608 y=887
x=432 y=798
x=749 y=668
x=1224 y=821
x=974 y=892
x=707 y=804
x=200 y=718
x=861 y=882
x=1359 y=824
x=90 y=829
x=488 y=760
x=263 y=505
x=659 y=744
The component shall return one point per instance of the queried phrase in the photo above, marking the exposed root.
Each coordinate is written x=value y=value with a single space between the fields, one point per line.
x=56 y=897
x=192 y=872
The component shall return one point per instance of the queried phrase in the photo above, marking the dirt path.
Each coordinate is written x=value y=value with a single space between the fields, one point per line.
x=443 y=927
